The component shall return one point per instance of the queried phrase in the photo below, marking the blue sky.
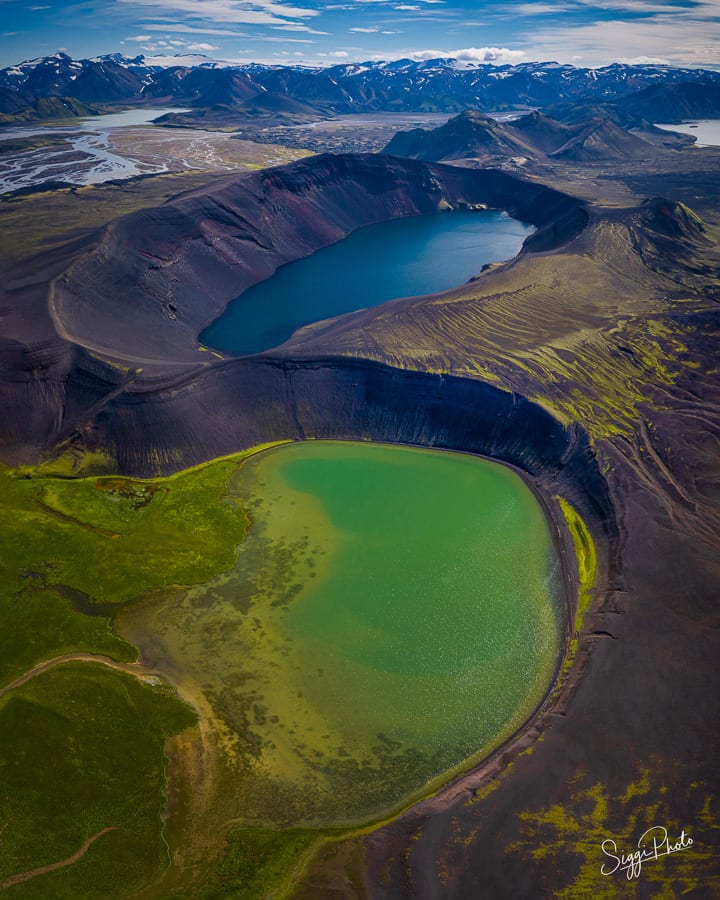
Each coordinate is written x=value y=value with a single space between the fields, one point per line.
x=679 y=32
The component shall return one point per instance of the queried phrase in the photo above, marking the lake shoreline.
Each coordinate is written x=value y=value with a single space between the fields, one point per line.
x=705 y=132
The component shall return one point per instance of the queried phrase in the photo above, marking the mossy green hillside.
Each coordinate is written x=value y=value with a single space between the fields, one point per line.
x=585 y=553
x=585 y=333
x=82 y=750
x=116 y=538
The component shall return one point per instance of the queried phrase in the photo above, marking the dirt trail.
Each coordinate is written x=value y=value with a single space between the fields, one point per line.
x=26 y=876
x=131 y=668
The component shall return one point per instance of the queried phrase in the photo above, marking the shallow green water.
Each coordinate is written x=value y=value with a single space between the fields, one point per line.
x=401 y=258
x=393 y=612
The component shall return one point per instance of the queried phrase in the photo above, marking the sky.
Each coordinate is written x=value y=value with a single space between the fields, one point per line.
x=323 y=32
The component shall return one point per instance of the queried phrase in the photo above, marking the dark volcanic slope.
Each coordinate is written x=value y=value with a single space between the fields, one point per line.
x=542 y=132
x=674 y=102
x=601 y=140
x=590 y=361
x=468 y=135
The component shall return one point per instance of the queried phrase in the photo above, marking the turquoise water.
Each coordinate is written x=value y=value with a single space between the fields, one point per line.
x=402 y=258
x=394 y=613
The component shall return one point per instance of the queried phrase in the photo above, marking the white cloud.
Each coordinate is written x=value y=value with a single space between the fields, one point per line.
x=535 y=9
x=252 y=12
x=643 y=61
x=623 y=7
x=140 y=38
x=680 y=39
x=174 y=28
x=365 y=30
x=497 y=55
x=294 y=27
x=202 y=47
x=274 y=40
x=339 y=54
x=407 y=7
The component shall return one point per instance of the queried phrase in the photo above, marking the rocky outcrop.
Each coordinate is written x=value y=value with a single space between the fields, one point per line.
x=468 y=135
x=472 y=135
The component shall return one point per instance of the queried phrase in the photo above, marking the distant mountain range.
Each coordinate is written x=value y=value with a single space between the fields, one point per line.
x=295 y=92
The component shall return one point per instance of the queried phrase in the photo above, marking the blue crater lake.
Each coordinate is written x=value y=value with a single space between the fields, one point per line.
x=402 y=258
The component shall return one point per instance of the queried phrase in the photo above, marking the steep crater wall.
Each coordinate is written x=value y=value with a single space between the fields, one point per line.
x=160 y=428
x=157 y=277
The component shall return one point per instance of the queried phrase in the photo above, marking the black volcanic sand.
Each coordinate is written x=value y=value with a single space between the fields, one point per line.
x=589 y=362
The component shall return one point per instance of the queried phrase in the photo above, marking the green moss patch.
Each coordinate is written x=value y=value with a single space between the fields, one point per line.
x=574 y=830
x=586 y=559
x=257 y=862
x=69 y=544
x=116 y=538
x=585 y=553
x=38 y=624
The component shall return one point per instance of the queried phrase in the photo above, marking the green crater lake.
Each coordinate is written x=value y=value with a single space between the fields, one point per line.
x=394 y=614
x=404 y=257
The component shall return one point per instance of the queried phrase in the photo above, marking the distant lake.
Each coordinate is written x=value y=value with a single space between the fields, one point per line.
x=402 y=258
x=128 y=117
x=707 y=131
x=82 y=153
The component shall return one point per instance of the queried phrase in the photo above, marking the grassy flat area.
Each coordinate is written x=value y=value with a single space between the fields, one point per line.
x=38 y=623
x=257 y=859
x=36 y=221
x=81 y=750
x=110 y=539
